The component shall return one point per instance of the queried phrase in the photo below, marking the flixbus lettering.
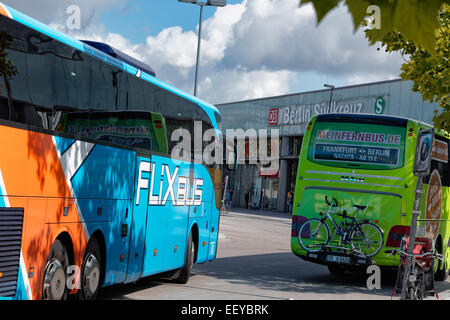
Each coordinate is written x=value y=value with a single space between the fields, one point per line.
x=182 y=196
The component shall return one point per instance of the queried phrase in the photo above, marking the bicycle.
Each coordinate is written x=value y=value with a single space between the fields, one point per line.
x=364 y=237
x=420 y=281
x=225 y=208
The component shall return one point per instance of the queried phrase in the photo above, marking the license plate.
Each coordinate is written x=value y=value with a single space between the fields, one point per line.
x=339 y=259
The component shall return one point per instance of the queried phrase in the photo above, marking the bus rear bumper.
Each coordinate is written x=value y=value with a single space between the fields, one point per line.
x=337 y=258
x=320 y=258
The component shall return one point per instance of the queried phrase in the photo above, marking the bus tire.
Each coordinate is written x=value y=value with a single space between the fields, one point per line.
x=441 y=274
x=336 y=269
x=184 y=273
x=54 y=283
x=90 y=276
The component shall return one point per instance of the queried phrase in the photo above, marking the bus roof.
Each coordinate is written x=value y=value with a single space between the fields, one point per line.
x=363 y=118
x=116 y=53
x=83 y=47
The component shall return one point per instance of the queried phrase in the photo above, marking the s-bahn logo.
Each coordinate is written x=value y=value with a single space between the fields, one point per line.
x=168 y=186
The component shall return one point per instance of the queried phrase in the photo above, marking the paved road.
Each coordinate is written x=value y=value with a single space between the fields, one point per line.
x=254 y=262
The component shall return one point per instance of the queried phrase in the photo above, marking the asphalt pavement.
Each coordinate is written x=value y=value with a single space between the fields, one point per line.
x=254 y=262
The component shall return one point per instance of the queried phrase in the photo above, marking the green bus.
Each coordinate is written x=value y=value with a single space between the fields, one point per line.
x=366 y=161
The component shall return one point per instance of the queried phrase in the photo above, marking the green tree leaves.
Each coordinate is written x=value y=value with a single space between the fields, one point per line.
x=414 y=19
x=6 y=67
x=428 y=69
x=420 y=30
x=322 y=7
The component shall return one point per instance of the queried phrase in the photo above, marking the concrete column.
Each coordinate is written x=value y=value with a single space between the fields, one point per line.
x=283 y=176
x=282 y=186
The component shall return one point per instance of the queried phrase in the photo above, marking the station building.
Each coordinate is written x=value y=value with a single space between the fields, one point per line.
x=290 y=114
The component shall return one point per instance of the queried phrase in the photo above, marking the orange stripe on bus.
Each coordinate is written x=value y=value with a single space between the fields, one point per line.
x=4 y=12
x=34 y=180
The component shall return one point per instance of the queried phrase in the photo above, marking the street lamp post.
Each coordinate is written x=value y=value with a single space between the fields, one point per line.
x=198 y=46
x=215 y=3
x=331 y=94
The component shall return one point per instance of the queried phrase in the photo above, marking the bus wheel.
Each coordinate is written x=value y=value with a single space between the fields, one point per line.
x=54 y=287
x=336 y=270
x=91 y=271
x=183 y=275
x=441 y=274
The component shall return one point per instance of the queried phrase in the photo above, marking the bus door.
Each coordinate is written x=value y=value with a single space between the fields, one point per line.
x=199 y=212
x=203 y=195
x=215 y=196
x=167 y=214
x=137 y=219
x=176 y=211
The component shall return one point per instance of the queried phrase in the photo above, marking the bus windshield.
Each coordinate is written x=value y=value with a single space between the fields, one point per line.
x=361 y=145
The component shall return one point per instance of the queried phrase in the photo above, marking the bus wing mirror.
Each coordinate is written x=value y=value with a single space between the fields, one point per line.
x=422 y=159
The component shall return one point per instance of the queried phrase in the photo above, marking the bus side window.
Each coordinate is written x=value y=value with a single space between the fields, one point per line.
x=181 y=129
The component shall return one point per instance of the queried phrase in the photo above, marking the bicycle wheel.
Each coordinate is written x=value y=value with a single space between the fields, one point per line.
x=420 y=283
x=367 y=238
x=223 y=209
x=313 y=235
x=411 y=294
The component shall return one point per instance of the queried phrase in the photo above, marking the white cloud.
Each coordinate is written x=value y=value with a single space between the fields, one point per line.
x=259 y=47
x=173 y=46
x=358 y=79
x=219 y=32
x=249 y=50
x=239 y=84
x=55 y=11
x=285 y=37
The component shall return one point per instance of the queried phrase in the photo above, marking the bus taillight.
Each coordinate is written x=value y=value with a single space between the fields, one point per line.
x=396 y=234
x=297 y=222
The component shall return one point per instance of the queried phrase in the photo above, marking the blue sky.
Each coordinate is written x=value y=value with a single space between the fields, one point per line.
x=250 y=48
x=141 y=18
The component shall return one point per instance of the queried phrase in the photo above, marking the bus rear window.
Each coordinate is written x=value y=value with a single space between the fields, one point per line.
x=357 y=145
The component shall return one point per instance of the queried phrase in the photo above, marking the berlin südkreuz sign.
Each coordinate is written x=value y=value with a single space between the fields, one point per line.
x=299 y=114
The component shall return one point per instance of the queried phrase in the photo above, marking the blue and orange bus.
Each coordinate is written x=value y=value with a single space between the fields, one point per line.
x=81 y=204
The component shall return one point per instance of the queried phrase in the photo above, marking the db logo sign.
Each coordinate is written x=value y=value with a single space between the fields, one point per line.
x=273 y=117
